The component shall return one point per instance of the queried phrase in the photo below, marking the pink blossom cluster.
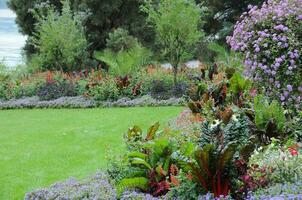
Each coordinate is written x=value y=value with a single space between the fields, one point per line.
x=270 y=37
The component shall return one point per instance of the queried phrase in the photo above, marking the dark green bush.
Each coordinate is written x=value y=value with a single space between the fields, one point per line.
x=55 y=90
x=120 y=40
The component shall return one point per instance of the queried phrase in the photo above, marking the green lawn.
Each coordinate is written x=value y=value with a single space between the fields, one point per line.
x=40 y=147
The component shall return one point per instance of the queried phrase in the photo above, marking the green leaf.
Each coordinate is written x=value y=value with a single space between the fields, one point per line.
x=139 y=161
x=132 y=183
x=238 y=83
x=202 y=156
x=134 y=133
x=137 y=155
x=227 y=155
x=187 y=149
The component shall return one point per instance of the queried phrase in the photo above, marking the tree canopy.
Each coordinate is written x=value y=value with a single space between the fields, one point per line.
x=222 y=15
x=102 y=17
x=99 y=18
x=176 y=23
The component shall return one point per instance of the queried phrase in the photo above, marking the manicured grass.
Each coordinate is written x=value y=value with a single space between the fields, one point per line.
x=40 y=147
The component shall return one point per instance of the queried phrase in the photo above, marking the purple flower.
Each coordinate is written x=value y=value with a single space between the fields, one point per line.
x=271 y=32
x=286 y=94
x=282 y=98
x=290 y=88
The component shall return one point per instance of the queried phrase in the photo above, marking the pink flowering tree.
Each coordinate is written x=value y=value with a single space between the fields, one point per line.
x=270 y=38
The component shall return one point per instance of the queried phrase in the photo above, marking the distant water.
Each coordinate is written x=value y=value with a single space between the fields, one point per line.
x=11 y=41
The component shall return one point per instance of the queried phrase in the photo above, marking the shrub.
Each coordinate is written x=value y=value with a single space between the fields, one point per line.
x=105 y=89
x=225 y=58
x=159 y=84
x=60 y=40
x=284 y=161
x=270 y=38
x=19 y=87
x=160 y=90
x=269 y=117
x=120 y=40
x=150 y=159
x=24 y=89
x=56 y=89
x=186 y=190
x=5 y=90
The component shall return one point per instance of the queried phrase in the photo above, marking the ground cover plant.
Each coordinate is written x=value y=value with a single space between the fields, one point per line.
x=40 y=147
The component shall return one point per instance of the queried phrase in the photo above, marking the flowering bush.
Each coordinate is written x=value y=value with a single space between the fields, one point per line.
x=270 y=38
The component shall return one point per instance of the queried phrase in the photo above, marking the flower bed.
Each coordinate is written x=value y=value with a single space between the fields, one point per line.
x=82 y=102
x=95 y=85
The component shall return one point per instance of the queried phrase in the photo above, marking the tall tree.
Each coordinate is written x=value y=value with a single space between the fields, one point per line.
x=176 y=23
x=101 y=17
x=222 y=15
x=107 y=15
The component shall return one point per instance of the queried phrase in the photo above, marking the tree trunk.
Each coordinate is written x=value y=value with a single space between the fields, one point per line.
x=175 y=74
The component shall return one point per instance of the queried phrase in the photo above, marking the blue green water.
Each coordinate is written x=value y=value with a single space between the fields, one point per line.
x=11 y=41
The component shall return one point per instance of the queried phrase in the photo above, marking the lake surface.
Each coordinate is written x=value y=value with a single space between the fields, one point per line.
x=11 y=41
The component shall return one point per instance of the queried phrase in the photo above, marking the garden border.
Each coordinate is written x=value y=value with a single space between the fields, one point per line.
x=82 y=102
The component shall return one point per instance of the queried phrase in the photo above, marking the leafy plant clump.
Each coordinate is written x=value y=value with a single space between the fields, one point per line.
x=120 y=40
x=269 y=118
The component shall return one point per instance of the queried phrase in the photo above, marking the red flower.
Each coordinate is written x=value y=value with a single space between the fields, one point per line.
x=293 y=151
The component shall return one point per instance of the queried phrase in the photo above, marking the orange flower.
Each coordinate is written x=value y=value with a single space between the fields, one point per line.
x=189 y=176
x=174 y=180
